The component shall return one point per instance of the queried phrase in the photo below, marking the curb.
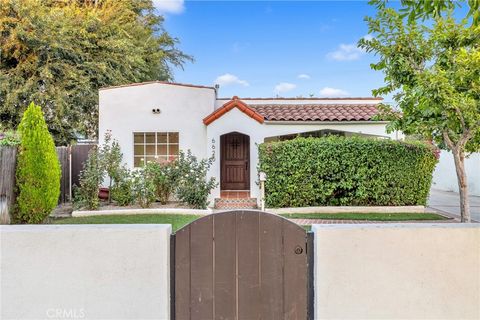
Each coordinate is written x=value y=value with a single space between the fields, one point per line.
x=89 y=213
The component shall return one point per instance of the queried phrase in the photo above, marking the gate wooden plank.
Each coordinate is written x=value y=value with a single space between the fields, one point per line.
x=295 y=272
x=182 y=274
x=248 y=265
x=225 y=266
x=201 y=272
x=271 y=273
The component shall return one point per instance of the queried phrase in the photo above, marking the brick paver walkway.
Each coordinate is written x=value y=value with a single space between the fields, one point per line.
x=307 y=222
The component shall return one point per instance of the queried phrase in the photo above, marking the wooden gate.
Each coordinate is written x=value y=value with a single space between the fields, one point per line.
x=241 y=265
x=79 y=157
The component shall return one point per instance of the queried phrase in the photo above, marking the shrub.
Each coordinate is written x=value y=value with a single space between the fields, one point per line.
x=122 y=192
x=164 y=176
x=346 y=171
x=9 y=139
x=193 y=186
x=91 y=177
x=111 y=158
x=38 y=169
x=143 y=188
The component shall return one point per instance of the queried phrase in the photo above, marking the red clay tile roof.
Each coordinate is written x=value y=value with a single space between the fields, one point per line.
x=234 y=103
x=308 y=98
x=316 y=112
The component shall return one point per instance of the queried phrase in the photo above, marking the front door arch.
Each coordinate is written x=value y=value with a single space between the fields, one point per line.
x=240 y=265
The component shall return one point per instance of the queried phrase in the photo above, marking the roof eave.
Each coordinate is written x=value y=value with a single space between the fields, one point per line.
x=316 y=122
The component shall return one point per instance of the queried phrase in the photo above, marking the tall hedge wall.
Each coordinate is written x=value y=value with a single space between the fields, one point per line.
x=346 y=171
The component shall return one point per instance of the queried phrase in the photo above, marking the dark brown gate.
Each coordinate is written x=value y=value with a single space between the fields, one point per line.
x=235 y=161
x=79 y=157
x=240 y=265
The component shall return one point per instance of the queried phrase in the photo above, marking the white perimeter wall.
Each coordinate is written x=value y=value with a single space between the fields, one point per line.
x=129 y=109
x=85 y=272
x=389 y=271
x=397 y=271
x=445 y=177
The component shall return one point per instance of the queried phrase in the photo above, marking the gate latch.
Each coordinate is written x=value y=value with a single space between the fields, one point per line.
x=298 y=250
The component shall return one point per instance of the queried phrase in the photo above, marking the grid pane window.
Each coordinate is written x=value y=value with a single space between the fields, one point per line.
x=154 y=146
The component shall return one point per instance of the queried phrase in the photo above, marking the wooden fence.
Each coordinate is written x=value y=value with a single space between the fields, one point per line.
x=71 y=161
x=8 y=160
x=63 y=154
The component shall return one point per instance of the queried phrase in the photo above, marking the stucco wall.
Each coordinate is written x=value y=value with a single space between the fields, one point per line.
x=129 y=109
x=397 y=271
x=85 y=272
x=445 y=177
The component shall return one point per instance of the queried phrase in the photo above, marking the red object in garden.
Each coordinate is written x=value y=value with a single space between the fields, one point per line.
x=103 y=193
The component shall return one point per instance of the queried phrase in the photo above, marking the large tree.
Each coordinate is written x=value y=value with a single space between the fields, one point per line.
x=433 y=70
x=59 y=52
x=425 y=9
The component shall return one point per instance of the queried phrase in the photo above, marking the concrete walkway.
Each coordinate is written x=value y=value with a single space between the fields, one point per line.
x=307 y=222
x=449 y=203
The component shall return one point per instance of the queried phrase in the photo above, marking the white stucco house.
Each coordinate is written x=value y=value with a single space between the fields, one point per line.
x=154 y=120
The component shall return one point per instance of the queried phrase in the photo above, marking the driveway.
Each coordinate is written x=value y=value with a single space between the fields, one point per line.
x=449 y=202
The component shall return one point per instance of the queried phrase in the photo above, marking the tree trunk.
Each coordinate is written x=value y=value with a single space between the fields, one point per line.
x=459 y=158
x=110 y=191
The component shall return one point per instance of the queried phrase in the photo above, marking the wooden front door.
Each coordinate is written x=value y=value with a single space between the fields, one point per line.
x=235 y=161
x=241 y=265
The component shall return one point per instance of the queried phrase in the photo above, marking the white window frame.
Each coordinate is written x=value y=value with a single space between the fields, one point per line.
x=156 y=144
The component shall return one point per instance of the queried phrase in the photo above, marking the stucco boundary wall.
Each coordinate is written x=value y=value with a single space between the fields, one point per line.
x=354 y=209
x=85 y=272
x=394 y=271
x=397 y=271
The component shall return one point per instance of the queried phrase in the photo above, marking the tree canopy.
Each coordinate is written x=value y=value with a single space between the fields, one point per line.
x=433 y=70
x=59 y=53
x=424 y=9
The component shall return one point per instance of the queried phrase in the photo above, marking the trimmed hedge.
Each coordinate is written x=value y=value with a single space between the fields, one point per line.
x=352 y=171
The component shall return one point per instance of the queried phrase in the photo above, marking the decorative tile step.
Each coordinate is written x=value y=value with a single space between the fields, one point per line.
x=240 y=203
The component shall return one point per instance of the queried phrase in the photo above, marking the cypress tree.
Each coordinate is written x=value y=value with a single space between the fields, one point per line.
x=38 y=169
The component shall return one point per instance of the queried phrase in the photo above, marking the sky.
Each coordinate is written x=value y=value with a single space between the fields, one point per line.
x=268 y=49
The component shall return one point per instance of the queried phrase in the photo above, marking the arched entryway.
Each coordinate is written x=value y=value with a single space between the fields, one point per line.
x=234 y=162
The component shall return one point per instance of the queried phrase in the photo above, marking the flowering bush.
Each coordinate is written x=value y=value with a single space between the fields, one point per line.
x=122 y=191
x=111 y=158
x=164 y=176
x=143 y=188
x=193 y=186
x=91 y=177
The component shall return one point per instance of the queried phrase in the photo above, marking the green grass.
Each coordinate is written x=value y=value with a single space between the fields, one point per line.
x=176 y=220
x=366 y=216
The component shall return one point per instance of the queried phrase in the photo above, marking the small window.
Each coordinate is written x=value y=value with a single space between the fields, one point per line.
x=154 y=146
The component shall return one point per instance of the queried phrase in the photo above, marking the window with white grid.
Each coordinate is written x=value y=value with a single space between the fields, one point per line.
x=154 y=146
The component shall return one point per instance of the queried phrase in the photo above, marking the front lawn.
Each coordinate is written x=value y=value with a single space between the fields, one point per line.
x=366 y=216
x=176 y=220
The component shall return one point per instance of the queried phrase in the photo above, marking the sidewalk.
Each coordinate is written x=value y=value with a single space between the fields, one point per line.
x=308 y=222
x=449 y=202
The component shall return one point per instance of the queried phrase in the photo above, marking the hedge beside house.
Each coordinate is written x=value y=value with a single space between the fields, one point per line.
x=346 y=171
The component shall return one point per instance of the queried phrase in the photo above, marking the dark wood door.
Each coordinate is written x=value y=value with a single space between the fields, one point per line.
x=240 y=265
x=235 y=162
